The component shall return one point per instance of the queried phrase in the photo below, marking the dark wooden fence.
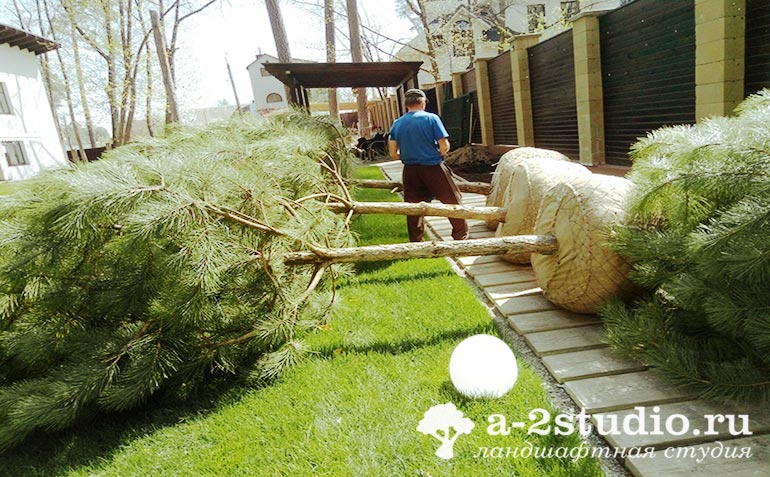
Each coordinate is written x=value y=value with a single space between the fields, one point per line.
x=470 y=87
x=757 y=46
x=554 y=108
x=501 y=98
x=648 y=70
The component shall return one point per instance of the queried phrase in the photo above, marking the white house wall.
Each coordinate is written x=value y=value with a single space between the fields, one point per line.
x=32 y=121
x=262 y=86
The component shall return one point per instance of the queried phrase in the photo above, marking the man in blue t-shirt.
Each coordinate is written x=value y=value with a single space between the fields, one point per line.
x=419 y=139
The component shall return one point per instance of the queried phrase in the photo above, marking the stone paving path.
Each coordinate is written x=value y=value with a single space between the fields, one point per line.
x=609 y=386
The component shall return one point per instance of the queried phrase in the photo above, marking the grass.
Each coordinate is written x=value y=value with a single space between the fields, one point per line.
x=352 y=410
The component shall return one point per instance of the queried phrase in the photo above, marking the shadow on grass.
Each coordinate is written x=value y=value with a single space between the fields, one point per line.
x=404 y=345
x=98 y=436
x=401 y=278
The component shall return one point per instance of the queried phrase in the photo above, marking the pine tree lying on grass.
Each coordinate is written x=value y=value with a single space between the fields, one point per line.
x=163 y=264
x=699 y=236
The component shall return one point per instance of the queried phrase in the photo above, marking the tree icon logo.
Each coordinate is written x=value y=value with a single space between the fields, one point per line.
x=439 y=421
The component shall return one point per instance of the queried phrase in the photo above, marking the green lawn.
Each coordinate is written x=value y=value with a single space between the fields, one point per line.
x=352 y=410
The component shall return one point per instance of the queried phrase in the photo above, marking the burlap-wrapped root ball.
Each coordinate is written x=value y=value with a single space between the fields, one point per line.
x=585 y=271
x=529 y=182
x=504 y=170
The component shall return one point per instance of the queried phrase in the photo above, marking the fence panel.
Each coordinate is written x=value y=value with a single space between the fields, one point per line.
x=757 y=46
x=501 y=96
x=648 y=71
x=456 y=118
x=552 y=82
x=469 y=87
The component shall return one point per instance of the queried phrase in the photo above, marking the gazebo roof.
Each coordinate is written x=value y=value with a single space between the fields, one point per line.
x=344 y=75
x=25 y=40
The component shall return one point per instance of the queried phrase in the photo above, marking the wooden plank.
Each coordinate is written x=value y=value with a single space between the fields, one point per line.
x=683 y=461
x=492 y=267
x=564 y=340
x=624 y=391
x=588 y=364
x=478 y=260
x=504 y=278
x=649 y=429
x=524 y=304
x=550 y=320
x=510 y=290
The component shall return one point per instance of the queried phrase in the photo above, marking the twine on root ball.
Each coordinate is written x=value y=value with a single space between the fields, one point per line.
x=585 y=271
x=529 y=182
x=483 y=366
x=501 y=178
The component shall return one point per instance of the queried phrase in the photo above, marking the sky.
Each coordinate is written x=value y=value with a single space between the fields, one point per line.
x=239 y=30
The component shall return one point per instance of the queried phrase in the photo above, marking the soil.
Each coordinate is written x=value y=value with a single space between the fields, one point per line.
x=473 y=163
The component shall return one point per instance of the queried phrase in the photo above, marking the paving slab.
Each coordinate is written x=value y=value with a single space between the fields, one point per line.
x=504 y=278
x=565 y=340
x=715 y=459
x=702 y=417
x=478 y=260
x=492 y=267
x=524 y=304
x=624 y=391
x=550 y=320
x=510 y=290
x=588 y=364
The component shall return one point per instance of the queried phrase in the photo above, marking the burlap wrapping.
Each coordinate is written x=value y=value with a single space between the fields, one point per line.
x=585 y=271
x=504 y=170
x=529 y=182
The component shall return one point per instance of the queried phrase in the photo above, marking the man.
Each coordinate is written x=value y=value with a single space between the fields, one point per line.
x=420 y=140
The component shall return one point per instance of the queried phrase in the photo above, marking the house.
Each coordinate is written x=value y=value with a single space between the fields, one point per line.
x=29 y=141
x=269 y=92
x=462 y=33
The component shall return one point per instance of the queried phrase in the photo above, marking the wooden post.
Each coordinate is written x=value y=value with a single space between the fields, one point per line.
x=542 y=244
x=165 y=70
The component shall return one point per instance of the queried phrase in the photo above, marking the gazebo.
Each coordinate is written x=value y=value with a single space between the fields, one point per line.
x=299 y=77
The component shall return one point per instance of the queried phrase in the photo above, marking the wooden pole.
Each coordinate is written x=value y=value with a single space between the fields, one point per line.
x=422 y=208
x=471 y=187
x=165 y=69
x=542 y=244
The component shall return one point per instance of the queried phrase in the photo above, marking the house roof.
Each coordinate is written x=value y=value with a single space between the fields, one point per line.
x=344 y=75
x=25 y=40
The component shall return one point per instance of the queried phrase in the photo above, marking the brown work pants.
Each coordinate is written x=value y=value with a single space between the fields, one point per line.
x=425 y=183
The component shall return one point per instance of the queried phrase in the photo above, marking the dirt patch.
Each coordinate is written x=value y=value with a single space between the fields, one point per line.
x=473 y=163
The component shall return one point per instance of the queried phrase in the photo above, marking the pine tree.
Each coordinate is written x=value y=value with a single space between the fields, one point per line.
x=699 y=238
x=161 y=265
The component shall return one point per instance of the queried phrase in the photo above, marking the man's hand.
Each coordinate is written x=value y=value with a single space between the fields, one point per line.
x=393 y=150
x=443 y=146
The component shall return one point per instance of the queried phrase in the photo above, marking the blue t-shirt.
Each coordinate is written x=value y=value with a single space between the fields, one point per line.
x=417 y=134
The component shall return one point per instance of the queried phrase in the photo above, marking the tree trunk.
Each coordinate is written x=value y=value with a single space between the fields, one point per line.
x=279 y=36
x=82 y=88
x=542 y=244
x=422 y=208
x=331 y=54
x=470 y=187
x=355 y=53
x=160 y=46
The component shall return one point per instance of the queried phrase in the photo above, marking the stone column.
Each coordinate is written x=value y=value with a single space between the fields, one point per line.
x=720 y=30
x=588 y=87
x=522 y=97
x=481 y=67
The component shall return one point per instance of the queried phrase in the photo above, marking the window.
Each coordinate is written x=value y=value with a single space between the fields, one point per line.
x=5 y=100
x=274 y=98
x=536 y=17
x=569 y=9
x=462 y=39
x=14 y=153
x=263 y=71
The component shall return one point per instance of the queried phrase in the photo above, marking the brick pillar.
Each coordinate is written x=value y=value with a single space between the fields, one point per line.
x=457 y=84
x=588 y=87
x=720 y=30
x=522 y=97
x=481 y=67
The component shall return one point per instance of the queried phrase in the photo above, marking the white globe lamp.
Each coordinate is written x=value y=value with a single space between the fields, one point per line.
x=483 y=366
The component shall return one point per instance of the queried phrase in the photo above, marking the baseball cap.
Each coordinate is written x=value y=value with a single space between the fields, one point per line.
x=414 y=93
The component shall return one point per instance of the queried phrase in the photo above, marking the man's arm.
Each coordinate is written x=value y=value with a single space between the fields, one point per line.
x=443 y=146
x=393 y=150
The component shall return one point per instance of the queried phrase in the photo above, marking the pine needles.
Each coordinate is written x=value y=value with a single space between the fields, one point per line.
x=699 y=236
x=163 y=264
